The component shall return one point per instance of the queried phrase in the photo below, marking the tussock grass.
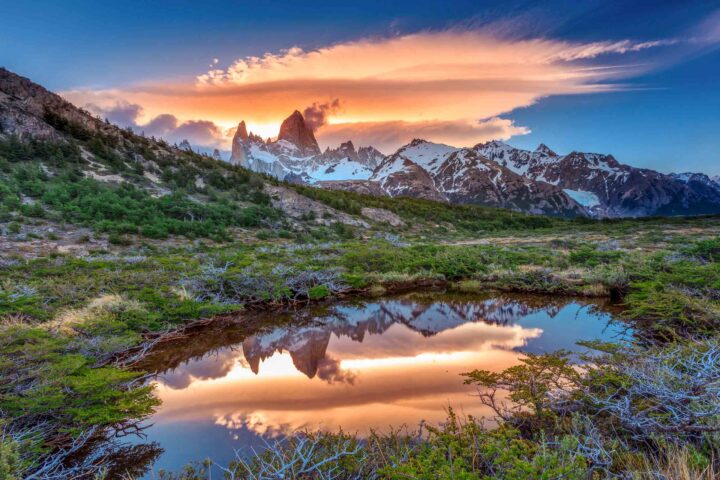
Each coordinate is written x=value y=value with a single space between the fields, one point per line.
x=66 y=322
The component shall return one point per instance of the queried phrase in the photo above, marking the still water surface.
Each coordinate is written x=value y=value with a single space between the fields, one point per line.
x=358 y=366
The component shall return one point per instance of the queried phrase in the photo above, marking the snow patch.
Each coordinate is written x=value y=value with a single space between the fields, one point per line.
x=586 y=199
x=346 y=169
x=429 y=156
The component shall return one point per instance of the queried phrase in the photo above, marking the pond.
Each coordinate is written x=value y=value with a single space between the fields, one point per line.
x=358 y=365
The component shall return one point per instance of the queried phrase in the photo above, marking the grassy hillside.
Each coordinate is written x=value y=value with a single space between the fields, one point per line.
x=110 y=189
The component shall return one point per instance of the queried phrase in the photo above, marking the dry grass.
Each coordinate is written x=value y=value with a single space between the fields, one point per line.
x=470 y=286
x=66 y=322
x=15 y=320
x=677 y=463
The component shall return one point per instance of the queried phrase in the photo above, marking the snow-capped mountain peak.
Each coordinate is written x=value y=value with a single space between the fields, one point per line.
x=688 y=177
x=295 y=155
x=492 y=173
x=463 y=175
x=427 y=155
x=543 y=149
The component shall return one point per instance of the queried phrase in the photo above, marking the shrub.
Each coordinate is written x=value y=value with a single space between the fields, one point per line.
x=319 y=291
x=116 y=239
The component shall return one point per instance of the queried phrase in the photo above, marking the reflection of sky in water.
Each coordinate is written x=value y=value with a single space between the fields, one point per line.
x=385 y=362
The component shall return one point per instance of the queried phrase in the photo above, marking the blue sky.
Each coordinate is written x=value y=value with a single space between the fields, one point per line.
x=664 y=115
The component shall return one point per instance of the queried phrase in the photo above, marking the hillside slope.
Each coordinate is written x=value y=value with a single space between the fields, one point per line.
x=69 y=180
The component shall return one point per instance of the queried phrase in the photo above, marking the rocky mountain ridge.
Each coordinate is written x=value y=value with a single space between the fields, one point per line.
x=607 y=188
x=28 y=110
x=421 y=169
x=461 y=175
x=295 y=155
x=491 y=174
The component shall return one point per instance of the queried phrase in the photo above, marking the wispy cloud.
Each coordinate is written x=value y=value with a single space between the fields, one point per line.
x=316 y=115
x=452 y=85
x=424 y=56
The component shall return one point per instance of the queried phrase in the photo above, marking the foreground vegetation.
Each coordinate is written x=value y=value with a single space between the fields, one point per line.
x=180 y=237
x=72 y=326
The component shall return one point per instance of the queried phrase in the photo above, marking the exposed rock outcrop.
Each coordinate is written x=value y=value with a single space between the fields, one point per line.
x=29 y=110
x=297 y=206
x=383 y=216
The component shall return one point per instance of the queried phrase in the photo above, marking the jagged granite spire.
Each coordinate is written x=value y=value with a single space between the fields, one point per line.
x=295 y=130
x=239 y=154
x=241 y=131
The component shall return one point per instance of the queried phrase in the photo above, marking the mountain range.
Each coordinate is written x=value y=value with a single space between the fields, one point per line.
x=491 y=174
x=296 y=156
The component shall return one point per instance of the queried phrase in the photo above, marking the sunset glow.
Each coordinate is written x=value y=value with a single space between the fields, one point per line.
x=359 y=239
x=623 y=78
x=456 y=89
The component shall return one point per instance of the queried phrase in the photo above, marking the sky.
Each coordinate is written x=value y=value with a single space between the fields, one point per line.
x=637 y=79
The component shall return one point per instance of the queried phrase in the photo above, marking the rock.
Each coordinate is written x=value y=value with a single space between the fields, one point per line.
x=24 y=106
x=294 y=130
x=297 y=206
x=241 y=132
x=296 y=157
x=366 y=187
x=382 y=215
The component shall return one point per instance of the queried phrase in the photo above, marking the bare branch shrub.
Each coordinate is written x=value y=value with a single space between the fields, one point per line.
x=671 y=392
x=303 y=455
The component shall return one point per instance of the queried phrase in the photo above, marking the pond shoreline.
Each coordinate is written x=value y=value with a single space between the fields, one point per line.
x=135 y=356
x=406 y=351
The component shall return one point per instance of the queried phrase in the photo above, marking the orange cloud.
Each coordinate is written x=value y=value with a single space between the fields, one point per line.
x=441 y=81
x=387 y=136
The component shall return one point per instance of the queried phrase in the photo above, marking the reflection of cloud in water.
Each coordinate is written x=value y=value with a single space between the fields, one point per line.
x=401 y=341
x=330 y=371
x=212 y=366
x=442 y=323
x=255 y=423
x=394 y=327
x=358 y=367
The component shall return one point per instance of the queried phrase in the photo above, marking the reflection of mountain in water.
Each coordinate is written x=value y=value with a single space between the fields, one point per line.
x=307 y=345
